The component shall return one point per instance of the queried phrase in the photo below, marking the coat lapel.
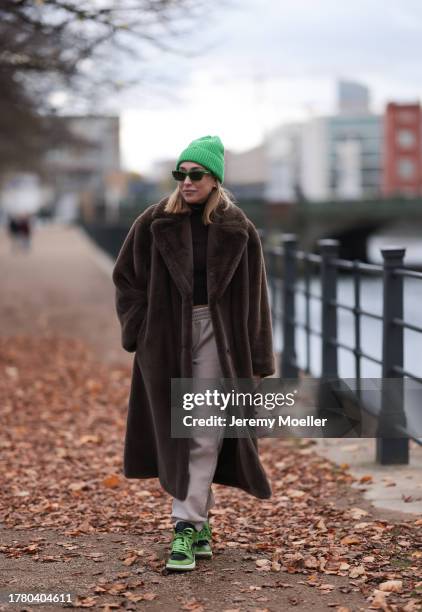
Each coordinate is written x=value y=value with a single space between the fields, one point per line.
x=173 y=238
x=227 y=238
x=226 y=243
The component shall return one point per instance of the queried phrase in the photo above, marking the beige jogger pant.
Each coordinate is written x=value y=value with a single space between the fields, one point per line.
x=203 y=450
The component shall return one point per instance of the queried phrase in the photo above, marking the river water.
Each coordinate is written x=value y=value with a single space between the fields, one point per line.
x=370 y=329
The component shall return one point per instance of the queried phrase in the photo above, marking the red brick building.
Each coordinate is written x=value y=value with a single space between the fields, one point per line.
x=402 y=153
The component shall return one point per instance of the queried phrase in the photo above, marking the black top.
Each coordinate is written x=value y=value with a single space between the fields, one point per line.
x=199 y=245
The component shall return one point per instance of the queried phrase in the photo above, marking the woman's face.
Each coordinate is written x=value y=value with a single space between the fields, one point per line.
x=196 y=191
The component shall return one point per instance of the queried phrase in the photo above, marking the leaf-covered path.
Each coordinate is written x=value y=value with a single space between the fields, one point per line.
x=71 y=523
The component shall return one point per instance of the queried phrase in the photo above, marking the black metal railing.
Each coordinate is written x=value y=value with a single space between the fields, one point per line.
x=282 y=270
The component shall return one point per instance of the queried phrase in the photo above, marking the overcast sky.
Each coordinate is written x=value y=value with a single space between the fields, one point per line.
x=272 y=61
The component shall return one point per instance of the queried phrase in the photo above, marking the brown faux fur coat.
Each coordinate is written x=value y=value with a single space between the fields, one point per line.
x=153 y=275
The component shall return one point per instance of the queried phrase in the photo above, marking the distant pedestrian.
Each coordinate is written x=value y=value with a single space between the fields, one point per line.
x=20 y=232
x=13 y=228
x=25 y=232
x=191 y=297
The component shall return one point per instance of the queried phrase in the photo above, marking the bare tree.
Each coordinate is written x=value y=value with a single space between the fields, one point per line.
x=79 y=47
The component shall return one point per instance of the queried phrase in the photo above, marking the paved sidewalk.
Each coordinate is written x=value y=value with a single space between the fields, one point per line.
x=56 y=288
x=390 y=487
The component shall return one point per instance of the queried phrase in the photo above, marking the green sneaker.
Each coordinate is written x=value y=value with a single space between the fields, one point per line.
x=202 y=546
x=182 y=556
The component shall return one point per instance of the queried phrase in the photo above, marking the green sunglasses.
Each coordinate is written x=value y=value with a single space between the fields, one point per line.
x=194 y=175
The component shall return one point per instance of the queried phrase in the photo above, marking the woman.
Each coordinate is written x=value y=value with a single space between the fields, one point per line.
x=191 y=297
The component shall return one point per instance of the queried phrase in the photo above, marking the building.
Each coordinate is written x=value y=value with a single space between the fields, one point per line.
x=283 y=152
x=329 y=157
x=246 y=174
x=341 y=157
x=352 y=98
x=161 y=173
x=402 y=153
x=80 y=171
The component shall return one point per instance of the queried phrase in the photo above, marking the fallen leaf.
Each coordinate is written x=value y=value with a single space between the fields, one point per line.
x=112 y=481
x=394 y=586
x=85 y=602
x=356 y=571
x=350 y=539
x=357 y=513
x=378 y=601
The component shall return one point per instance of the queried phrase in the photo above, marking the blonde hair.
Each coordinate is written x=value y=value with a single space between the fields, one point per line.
x=219 y=196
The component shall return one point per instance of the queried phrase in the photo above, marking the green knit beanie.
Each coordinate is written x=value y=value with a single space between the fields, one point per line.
x=207 y=151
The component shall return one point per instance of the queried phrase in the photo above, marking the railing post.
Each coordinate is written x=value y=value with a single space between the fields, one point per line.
x=329 y=251
x=288 y=367
x=325 y=401
x=392 y=450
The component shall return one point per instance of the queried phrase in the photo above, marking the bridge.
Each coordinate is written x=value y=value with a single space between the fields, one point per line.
x=350 y=222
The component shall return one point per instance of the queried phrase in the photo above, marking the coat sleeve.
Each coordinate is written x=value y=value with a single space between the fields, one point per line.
x=259 y=316
x=130 y=277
